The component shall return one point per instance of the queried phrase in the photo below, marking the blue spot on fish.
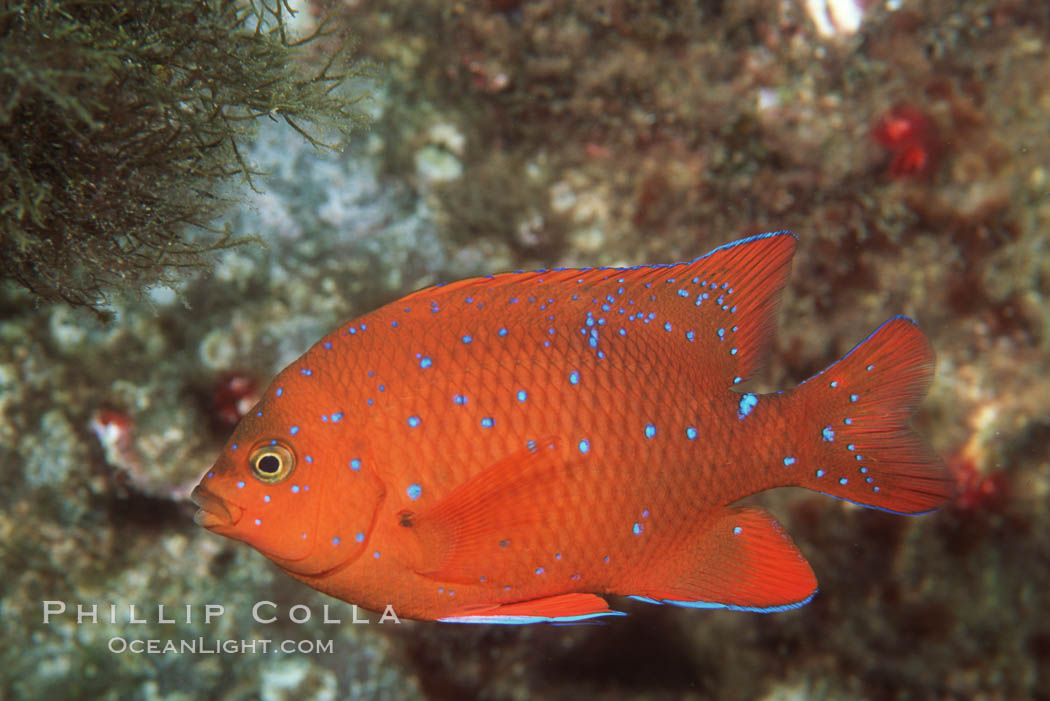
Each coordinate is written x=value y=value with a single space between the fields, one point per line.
x=414 y=491
x=747 y=403
x=413 y=421
x=425 y=363
x=828 y=434
x=650 y=430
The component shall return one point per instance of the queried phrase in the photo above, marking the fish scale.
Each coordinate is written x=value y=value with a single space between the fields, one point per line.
x=509 y=449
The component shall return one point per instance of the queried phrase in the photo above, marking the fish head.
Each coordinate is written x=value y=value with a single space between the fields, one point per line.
x=303 y=493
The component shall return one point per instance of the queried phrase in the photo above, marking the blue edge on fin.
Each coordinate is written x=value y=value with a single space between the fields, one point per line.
x=524 y=620
x=749 y=239
x=728 y=607
x=879 y=508
x=731 y=244
x=521 y=620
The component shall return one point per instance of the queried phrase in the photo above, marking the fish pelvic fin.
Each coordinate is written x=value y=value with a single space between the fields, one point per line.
x=856 y=442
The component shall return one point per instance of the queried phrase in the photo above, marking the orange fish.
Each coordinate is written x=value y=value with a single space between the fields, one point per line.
x=508 y=449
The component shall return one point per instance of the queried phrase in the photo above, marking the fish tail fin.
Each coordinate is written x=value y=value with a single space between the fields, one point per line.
x=861 y=447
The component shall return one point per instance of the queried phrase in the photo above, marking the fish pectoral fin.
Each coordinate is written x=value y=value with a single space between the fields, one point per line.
x=741 y=560
x=482 y=526
x=563 y=608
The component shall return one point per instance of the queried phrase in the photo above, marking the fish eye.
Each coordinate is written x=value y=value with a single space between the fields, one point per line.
x=271 y=463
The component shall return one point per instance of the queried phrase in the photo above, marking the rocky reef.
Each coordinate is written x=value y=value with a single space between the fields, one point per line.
x=905 y=143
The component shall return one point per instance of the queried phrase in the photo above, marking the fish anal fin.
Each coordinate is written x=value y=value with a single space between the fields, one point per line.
x=476 y=529
x=741 y=560
x=563 y=608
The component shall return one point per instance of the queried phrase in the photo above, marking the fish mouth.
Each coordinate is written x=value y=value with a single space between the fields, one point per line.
x=213 y=510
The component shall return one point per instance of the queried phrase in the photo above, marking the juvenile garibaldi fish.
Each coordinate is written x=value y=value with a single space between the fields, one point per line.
x=509 y=449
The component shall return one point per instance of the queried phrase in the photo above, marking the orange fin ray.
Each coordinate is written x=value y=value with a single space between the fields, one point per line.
x=483 y=523
x=745 y=279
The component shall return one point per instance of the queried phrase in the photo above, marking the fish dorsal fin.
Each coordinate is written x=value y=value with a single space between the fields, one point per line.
x=741 y=560
x=720 y=305
x=481 y=527
x=741 y=325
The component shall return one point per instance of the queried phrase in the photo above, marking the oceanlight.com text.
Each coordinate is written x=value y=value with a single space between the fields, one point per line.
x=214 y=646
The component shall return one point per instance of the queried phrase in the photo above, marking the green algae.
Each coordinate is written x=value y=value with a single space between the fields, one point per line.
x=120 y=122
